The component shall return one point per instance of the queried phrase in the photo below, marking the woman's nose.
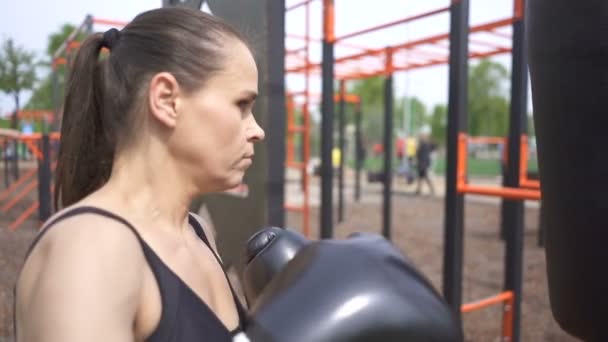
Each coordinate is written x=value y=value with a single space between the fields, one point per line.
x=256 y=133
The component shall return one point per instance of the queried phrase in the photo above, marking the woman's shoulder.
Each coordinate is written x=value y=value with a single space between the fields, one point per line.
x=84 y=264
x=87 y=236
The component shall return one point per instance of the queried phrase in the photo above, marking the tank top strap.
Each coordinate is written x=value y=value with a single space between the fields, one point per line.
x=82 y=210
x=169 y=290
x=196 y=225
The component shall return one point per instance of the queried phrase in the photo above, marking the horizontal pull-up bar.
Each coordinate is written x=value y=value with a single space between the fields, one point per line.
x=499 y=191
x=109 y=22
x=393 y=23
x=409 y=45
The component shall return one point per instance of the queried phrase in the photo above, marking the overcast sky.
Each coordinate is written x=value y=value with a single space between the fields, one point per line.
x=30 y=22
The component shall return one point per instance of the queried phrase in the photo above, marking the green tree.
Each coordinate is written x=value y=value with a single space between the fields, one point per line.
x=42 y=98
x=371 y=92
x=17 y=73
x=439 y=123
x=414 y=112
x=488 y=105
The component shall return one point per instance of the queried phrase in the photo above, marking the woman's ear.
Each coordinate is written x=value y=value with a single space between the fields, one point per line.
x=163 y=97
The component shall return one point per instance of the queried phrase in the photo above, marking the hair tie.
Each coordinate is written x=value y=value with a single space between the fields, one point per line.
x=110 y=38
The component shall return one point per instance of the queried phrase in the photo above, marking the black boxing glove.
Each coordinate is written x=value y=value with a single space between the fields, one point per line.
x=267 y=252
x=361 y=289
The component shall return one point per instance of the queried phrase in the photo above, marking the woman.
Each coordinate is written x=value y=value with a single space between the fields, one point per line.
x=163 y=118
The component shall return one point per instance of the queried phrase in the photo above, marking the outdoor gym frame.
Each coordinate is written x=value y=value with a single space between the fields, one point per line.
x=388 y=60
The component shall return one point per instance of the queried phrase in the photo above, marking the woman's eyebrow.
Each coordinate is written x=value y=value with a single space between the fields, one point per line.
x=250 y=94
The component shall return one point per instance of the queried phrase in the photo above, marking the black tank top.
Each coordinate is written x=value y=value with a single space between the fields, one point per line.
x=184 y=316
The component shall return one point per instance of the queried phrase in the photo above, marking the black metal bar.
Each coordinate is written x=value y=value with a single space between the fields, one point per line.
x=277 y=117
x=16 y=158
x=6 y=163
x=341 y=124
x=388 y=157
x=358 y=153
x=55 y=99
x=514 y=210
x=327 y=128
x=44 y=180
x=454 y=201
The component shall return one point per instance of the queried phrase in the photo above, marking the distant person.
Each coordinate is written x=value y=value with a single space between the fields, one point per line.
x=423 y=160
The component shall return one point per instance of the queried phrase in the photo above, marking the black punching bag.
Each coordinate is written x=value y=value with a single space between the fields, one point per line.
x=568 y=63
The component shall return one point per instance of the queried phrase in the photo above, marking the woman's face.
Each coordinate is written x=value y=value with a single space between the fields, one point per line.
x=215 y=131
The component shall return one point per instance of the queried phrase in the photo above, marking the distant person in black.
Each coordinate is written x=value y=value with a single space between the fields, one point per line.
x=164 y=117
x=423 y=161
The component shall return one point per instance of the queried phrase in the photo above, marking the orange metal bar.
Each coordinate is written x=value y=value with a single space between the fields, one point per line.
x=518 y=10
x=296 y=129
x=34 y=114
x=394 y=23
x=523 y=167
x=59 y=61
x=296 y=165
x=33 y=148
x=507 y=298
x=19 y=196
x=73 y=45
x=110 y=22
x=294 y=208
x=504 y=192
x=412 y=66
x=461 y=167
x=24 y=216
x=429 y=40
x=523 y=158
x=329 y=21
x=348 y=98
x=486 y=140
x=21 y=180
x=529 y=183
x=71 y=37
x=388 y=66
x=498 y=191
x=483 y=303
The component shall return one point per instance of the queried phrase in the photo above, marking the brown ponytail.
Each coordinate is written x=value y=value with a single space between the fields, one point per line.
x=104 y=96
x=85 y=154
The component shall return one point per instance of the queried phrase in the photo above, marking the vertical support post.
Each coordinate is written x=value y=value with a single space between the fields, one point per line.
x=6 y=167
x=306 y=142
x=341 y=124
x=388 y=146
x=358 y=152
x=327 y=120
x=15 y=151
x=457 y=116
x=276 y=116
x=514 y=209
x=44 y=180
x=55 y=98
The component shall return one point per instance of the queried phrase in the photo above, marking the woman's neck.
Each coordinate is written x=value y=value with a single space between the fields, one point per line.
x=149 y=187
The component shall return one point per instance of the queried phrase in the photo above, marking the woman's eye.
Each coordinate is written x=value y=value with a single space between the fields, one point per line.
x=243 y=104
